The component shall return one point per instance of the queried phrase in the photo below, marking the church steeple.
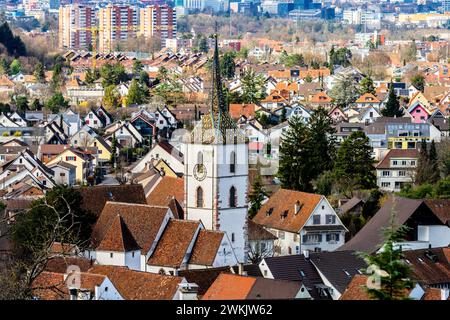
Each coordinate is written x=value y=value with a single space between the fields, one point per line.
x=217 y=126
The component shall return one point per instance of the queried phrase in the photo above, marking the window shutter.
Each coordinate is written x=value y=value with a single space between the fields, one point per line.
x=320 y=238
x=304 y=238
x=328 y=237
x=74 y=158
x=66 y=157
x=337 y=236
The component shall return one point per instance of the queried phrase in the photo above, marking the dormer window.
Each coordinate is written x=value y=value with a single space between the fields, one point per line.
x=297 y=207
x=269 y=212
x=284 y=214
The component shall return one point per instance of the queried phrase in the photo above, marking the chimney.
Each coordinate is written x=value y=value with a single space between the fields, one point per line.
x=444 y=293
x=241 y=271
x=297 y=207
x=306 y=254
x=188 y=291
x=73 y=292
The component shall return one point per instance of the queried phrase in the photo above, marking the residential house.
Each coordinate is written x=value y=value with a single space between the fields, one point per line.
x=397 y=169
x=162 y=150
x=64 y=173
x=47 y=152
x=260 y=242
x=419 y=113
x=78 y=158
x=125 y=134
x=367 y=100
x=320 y=99
x=367 y=115
x=337 y=115
x=238 y=287
x=145 y=124
x=301 y=221
x=99 y=118
x=427 y=221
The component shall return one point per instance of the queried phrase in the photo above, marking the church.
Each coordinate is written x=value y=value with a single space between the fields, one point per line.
x=216 y=170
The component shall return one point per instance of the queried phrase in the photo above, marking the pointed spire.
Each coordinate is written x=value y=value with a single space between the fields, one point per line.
x=217 y=98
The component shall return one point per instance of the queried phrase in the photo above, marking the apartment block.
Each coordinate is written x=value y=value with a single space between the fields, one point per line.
x=75 y=26
x=158 y=21
x=116 y=23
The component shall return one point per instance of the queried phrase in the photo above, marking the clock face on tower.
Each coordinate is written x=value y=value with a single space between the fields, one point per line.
x=199 y=172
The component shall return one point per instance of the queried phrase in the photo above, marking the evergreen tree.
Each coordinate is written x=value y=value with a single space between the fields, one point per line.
x=144 y=78
x=306 y=151
x=113 y=150
x=423 y=170
x=353 y=167
x=137 y=67
x=137 y=93
x=4 y=67
x=321 y=142
x=418 y=81
x=345 y=91
x=389 y=266
x=92 y=76
x=433 y=163
x=366 y=85
x=58 y=76
x=256 y=197
x=36 y=105
x=21 y=104
x=203 y=45
x=56 y=103
x=39 y=72
x=392 y=108
x=227 y=65
x=293 y=170
x=13 y=44
x=15 y=67
x=253 y=89
x=283 y=115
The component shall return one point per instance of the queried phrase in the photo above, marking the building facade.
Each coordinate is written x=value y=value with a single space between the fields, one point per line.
x=116 y=23
x=76 y=23
x=158 y=21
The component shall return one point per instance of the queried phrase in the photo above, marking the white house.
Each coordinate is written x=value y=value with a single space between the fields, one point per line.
x=162 y=150
x=397 y=169
x=301 y=221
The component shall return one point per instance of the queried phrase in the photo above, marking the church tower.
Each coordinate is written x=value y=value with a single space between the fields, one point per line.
x=216 y=170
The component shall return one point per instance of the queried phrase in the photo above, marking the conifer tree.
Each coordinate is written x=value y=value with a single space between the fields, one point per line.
x=389 y=267
x=256 y=197
x=433 y=163
x=392 y=108
x=423 y=165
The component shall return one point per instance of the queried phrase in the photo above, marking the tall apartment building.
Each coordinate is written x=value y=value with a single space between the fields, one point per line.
x=116 y=23
x=75 y=23
x=446 y=6
x=158 y=21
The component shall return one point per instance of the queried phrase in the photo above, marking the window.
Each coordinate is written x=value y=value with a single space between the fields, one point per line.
x=280 y=234
x=199 y=157
x=62 y=174
x=265 y=273
x=316 y=219
x=331 y=219
x=106 y=289
x=111 y=255
x=312 y=238
x=332 y=237
x=71 y=158
x=385 y=184
x=232 y=237
x=386 y=173
x=132 y=254
x=199 y=197
x=233 y=162
x=413 y=162
x=402 y=173
x=161 y=271
x=404 y=163
x=232 y=197
x=394 y=163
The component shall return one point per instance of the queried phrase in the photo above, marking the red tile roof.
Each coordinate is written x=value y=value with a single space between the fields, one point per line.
x=283 y=203
x=230 y=287
x=137 y=285
x=118 y=237
x=397 y=153
x=237 y=110
x=174 y=243
x=143 y=222
x=206 y=247
x=167 y=189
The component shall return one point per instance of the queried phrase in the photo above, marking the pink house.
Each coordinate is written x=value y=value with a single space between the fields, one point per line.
x=337 y=115
x=419 y=113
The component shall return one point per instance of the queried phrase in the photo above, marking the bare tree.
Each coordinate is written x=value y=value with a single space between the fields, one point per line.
x=259 y=252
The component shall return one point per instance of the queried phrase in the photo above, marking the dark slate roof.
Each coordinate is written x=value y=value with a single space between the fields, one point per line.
x=429 y=266
x=370 y=237
x=338 y=267
x=291 y=267
x=350 y=205
x=250 y=269
x=94 y=198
